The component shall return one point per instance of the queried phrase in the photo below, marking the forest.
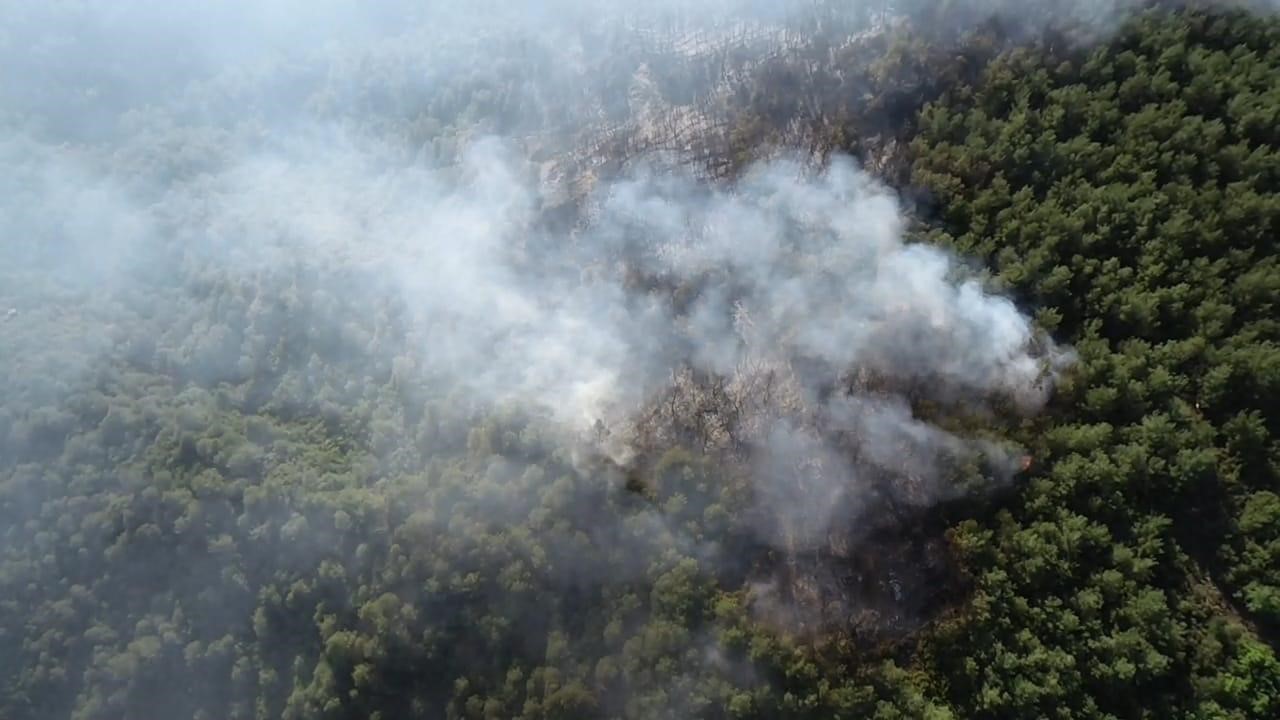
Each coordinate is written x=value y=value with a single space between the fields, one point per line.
x=564 y=360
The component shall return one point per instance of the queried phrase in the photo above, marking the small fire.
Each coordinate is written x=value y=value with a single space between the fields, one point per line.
x=1026 y=462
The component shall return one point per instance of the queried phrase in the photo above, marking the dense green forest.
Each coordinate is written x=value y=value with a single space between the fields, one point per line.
x=239 y=488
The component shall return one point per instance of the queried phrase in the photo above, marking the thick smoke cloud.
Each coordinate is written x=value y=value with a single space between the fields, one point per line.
x=787 y=269
x=797 y=275
x=413 y=153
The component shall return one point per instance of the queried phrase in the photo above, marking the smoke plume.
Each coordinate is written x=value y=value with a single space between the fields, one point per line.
x=783 y=319
x=446 y=174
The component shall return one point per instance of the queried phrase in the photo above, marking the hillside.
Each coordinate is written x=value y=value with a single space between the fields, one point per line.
x=715 y=360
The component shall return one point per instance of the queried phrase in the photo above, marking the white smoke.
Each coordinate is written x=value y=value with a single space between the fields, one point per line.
x=260 y=146
x=790 y=269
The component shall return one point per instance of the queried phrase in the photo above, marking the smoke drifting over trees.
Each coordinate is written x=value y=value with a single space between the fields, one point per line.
x=800 y=274
x=476 y=359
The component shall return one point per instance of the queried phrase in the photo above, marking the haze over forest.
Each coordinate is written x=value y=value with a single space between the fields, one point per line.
x=575 y=359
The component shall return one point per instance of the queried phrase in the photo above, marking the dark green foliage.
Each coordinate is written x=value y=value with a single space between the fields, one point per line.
x=1129 y=194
